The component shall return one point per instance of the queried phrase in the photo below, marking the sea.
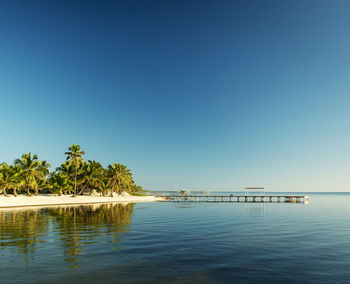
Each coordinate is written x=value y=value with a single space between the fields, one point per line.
x=183 y=242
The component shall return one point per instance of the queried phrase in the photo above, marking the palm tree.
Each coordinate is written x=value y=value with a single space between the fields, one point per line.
x=74 y=175
x=59 y=183
x=17 y=178
x=6 y=177
x=65 y=172
x=31 y=171
x=137 y=188
x=93 y=173
x=44 y=167
x=43 y=183
x=119 y=176
x=103 y=186
x=74 y=157
x=10 y=178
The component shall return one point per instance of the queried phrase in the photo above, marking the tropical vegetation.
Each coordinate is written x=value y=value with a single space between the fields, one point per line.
x=74 y=176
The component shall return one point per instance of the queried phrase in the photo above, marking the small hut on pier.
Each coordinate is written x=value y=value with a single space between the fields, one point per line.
x=185 y=192
x=257 y=190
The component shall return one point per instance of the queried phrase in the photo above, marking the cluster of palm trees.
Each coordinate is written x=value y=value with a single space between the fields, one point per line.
x=74 y=176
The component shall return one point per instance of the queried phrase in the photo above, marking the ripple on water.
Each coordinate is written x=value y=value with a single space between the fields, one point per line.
x=174 y=242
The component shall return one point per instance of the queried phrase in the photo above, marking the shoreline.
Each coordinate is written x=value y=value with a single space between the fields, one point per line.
x=56 y=200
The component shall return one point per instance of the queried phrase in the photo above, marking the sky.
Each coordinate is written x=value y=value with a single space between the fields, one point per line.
x=203 y=95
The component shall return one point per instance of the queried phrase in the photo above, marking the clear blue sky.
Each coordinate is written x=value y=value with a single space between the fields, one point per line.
x=197 y=94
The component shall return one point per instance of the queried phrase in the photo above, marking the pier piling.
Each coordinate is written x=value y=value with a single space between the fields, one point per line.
x=238 y=198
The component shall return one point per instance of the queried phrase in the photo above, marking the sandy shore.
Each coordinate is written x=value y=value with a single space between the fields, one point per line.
x=47 y=200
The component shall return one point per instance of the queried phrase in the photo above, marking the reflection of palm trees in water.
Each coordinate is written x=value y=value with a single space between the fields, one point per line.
x=76 y=225
x=80 y=225
x=22 y=230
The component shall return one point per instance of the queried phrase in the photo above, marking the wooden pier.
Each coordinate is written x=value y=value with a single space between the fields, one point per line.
x=239 y=198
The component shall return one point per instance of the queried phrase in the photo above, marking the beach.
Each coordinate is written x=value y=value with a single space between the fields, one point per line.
x=51 y=199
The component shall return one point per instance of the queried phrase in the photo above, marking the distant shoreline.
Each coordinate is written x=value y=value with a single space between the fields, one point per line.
x=11 y=201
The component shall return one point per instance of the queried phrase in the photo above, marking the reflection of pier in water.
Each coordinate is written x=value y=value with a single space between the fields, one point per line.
x=255 y=209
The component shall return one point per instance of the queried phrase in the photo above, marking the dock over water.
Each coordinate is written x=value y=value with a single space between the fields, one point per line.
x=238 y=198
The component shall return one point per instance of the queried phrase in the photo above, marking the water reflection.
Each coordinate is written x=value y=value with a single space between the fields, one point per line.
x=255 y=209
x=24 y=230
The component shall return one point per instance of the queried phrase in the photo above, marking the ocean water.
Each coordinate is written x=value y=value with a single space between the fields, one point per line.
x=179 y=243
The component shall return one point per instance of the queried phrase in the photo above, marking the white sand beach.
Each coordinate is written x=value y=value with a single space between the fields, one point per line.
x=47 y=200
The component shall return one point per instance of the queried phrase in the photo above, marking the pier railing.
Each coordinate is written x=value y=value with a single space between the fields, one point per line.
x=238 y=198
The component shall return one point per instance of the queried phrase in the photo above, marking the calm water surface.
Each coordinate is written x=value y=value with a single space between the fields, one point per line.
x=179 y=243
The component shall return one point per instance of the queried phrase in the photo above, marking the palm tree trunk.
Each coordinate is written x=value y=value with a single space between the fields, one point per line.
x=15 y=191
x=28 y=191
x=4 y=191
x=80 y=192
x=75 y=181
x=112 y=189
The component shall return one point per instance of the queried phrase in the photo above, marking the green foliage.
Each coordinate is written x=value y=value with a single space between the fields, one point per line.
x=74 y=158
x=73 y=176
x=138 y=194
x=33 y=173
x=119 y=178
x=10 y=178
